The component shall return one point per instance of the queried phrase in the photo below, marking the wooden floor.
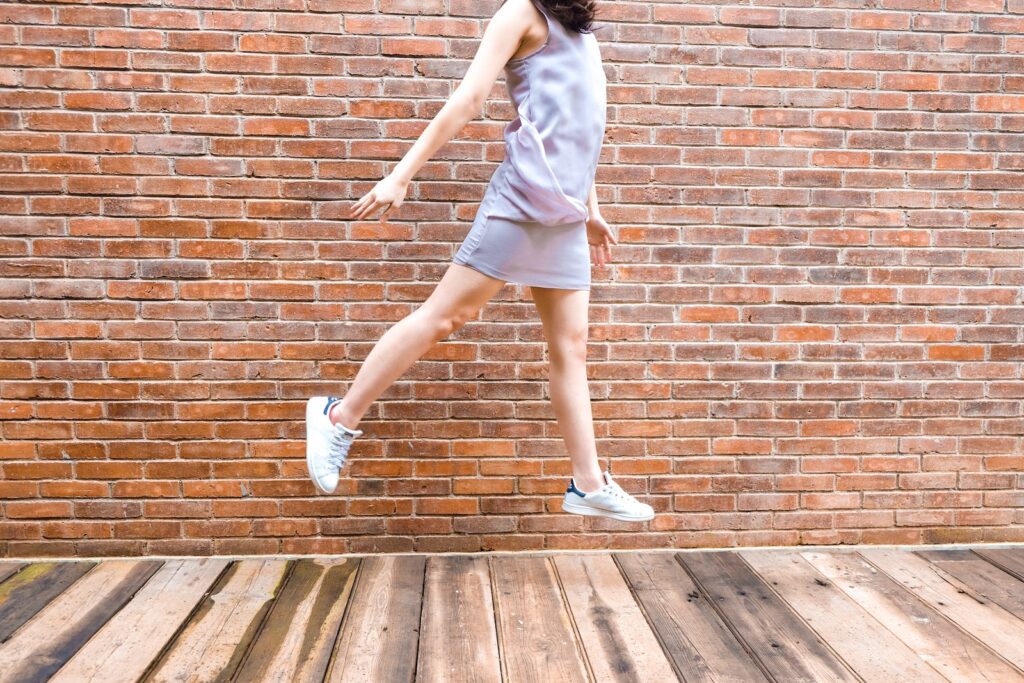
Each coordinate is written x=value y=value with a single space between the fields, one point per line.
x=870 y=614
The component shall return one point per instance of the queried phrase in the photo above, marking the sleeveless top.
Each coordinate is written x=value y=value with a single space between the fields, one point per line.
x=553 y=144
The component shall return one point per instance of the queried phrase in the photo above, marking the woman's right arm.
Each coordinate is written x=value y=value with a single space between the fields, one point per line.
x=501 y=39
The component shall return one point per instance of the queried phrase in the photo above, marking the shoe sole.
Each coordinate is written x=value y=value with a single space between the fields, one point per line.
x=596 y=512
x=312 y=411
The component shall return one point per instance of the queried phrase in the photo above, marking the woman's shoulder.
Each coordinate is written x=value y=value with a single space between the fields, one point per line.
x=537 y=28
x=525 y=9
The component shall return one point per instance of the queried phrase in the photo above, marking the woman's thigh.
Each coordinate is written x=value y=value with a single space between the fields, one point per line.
x=564 y=313
x=461 y=292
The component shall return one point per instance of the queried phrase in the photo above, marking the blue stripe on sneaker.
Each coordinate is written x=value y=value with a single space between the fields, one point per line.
x=572 y=488
x=330 y=400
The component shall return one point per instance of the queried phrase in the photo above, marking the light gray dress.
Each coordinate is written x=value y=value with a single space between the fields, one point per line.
x=530 y=226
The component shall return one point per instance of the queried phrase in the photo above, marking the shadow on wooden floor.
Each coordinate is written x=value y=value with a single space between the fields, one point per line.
x=869 y=613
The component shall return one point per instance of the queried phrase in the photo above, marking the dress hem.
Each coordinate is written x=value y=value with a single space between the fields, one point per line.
x=508 y=279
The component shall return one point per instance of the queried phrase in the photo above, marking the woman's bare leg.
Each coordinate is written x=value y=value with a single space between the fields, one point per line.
x=457 y=298
x=564 y=314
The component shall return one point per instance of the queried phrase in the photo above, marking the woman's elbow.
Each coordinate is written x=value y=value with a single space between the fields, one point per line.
x=471 y=104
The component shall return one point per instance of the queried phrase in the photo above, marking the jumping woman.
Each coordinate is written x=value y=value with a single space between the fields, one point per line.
x=538 y=224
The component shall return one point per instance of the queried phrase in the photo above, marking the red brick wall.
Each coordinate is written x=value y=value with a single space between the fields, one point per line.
x=811 y=333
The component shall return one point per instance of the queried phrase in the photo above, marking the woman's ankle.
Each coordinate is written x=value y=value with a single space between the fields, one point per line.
x=337 y=415
x=587 y=483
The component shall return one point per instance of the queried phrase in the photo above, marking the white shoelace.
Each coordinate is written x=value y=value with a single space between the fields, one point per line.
x=339 y=448
x=618 y=491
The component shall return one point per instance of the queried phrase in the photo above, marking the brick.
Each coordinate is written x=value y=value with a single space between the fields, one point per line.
x=27 y=57
x=27 y=509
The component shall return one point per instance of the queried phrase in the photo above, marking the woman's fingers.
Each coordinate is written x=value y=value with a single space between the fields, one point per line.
x=609 y=237
x=368 y=205
x=358 y=206
x=368 y=209
x=600 y=253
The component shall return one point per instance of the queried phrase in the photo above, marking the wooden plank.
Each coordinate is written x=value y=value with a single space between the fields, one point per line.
x=458 y=640
x=296 y=640
x=534 y=627
x=215 y=640
x=379 y=635
x=618 y=641
x=47 y=641
x=988 y=622
x=953 y=653
x=28 y=591
x=982 y=579
x=9 y=569
x=862 y=642
x=784 y=645
x=697 y=642
x=122 y=650
x=1010 y=560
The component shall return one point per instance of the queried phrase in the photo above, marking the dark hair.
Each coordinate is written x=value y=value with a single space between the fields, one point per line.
x=575 y=15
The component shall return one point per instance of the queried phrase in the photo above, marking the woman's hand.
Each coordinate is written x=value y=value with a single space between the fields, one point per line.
x=600 y=238
x=388 y=192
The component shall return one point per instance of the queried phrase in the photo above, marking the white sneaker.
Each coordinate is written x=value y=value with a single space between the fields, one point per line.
x=327 y=443
x=608 y=501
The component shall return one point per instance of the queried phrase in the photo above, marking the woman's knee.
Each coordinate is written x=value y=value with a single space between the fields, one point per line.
x=443 y=323
x=569 y=347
